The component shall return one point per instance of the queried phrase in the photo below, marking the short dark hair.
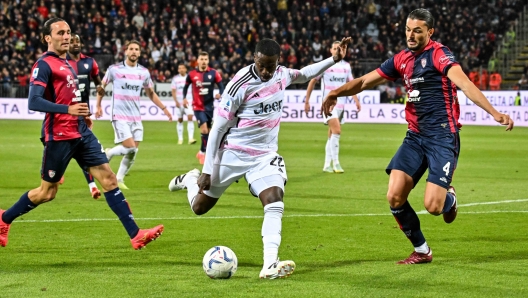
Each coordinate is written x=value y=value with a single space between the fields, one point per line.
x=203 y=53
x=422 y=15
x=268 y=47
x=133 y=42
x=78 y=35
x=47 y=28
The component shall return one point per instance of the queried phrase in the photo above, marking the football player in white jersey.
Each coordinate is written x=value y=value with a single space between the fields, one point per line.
x=333 y=78
x=128 y=78
x=182 y=108
x=244 y=141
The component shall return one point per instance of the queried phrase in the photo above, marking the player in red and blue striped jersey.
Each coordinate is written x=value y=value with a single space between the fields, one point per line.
x=54 y=90
x=431 y=76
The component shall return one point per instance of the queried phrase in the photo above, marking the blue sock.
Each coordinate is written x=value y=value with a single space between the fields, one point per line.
x=409 y=223
x=450 y=199
x=205 y=137
x=89 y=178
x=23 y=206
x=117 y=202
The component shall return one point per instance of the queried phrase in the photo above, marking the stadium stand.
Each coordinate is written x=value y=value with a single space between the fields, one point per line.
x=173 y=32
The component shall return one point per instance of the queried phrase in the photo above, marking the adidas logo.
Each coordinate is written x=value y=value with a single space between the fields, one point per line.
x=256 y=95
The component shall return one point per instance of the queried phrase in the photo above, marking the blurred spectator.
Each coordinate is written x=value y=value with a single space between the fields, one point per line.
x=495 y=81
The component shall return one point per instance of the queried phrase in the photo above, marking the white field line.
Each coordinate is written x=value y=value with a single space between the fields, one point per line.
x=286 y=216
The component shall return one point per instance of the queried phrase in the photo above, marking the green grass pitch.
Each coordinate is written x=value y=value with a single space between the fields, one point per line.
x=336 y=227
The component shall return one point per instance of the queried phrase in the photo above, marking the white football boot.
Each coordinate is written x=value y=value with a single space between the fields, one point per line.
x=279 y=269
x=178 y=182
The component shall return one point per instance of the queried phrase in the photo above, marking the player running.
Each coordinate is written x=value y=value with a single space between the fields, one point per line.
x=333 y=77
x=244 y=143
x=54 y=90
x=431 y=76
x=203 y=80
x=177 y=84
x=128 y=78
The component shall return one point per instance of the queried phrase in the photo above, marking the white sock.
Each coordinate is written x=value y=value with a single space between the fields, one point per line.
x=190 y=129
x=271 y=232
x=132 y=162
x=119 y=150
x=192 y=189
x=126 y=164
x=328 y=154
x=91 y=185
x=179 y=129
x=334 y=148
x=423 y=249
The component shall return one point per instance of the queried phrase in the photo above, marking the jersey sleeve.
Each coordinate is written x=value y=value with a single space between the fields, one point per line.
x=350 y=77
x=218 y=77
x=109 y=76
x=95 y=69
x=40 y=74
x=147 y=83
x=388 y=70
x=229 y=105
x=443 y=59
x=173 y=83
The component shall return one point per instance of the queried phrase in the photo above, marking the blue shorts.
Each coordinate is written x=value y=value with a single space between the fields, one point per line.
x=87 y=151
x=437 y=154
x=204 y=117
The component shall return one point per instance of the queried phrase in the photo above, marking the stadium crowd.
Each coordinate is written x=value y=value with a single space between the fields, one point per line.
x=174 y=31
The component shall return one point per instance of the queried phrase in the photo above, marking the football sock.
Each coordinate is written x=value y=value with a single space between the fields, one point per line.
x=192 y=189
x=334 y=148
x=179 y=129
x=91 y=185
x=132 y=161
x=205 y=137
x=409 y=223
x=119 y=150
x=423 y=249
x=271 y=231
x=89 y=178
x=328 y=154
x=23 y=206
x=449 y=201
x=117 y=202
x=190 y=129
x=126 y=164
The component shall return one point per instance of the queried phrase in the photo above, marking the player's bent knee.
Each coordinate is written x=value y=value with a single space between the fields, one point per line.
x=271 y=195
x=395 y=200
x=433 y=208
x=202 y=204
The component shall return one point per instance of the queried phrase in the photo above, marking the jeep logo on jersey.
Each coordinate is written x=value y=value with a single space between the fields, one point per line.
x=268 y=108
x=446 y=59
x=126 y=86
x=414 y=96
x=334 y=79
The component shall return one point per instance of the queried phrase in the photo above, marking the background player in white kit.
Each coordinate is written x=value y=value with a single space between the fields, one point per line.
x=182 y=108
x=333 y=78
x=243 y=143
x=128 y=78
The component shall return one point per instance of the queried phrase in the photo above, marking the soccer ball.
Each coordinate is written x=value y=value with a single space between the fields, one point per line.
x=220 y=262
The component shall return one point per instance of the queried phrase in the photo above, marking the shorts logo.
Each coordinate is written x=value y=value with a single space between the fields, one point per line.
x=443 y=179
x=51 y=173
x=446 y=59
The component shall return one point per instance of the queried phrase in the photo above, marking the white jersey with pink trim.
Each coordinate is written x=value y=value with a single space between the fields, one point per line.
x=128 y=82
x=177 y=83
x=254 y=110
x=335 y=77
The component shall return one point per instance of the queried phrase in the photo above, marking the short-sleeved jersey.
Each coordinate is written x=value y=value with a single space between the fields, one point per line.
x=177 y=83
x=86 y=68
x=126 y=92
x=202 y=83
x=432 y=107
x=335 y=77
x=58 y=78
x=254 y=110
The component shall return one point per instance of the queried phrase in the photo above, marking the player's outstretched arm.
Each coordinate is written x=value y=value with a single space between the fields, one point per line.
x=155 y=99
x=457 y=76
x=353 y=87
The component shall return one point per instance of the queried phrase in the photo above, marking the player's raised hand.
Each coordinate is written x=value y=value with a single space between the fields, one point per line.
x=342 y=49
x=204 y=182
x=328 y=105
x=98 y=112
x=504 y=119
x=80 y=109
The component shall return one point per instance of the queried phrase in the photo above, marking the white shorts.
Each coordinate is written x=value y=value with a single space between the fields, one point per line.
x=261 y=172
x=337 y=113
x=179 y=112
x=124 y=130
